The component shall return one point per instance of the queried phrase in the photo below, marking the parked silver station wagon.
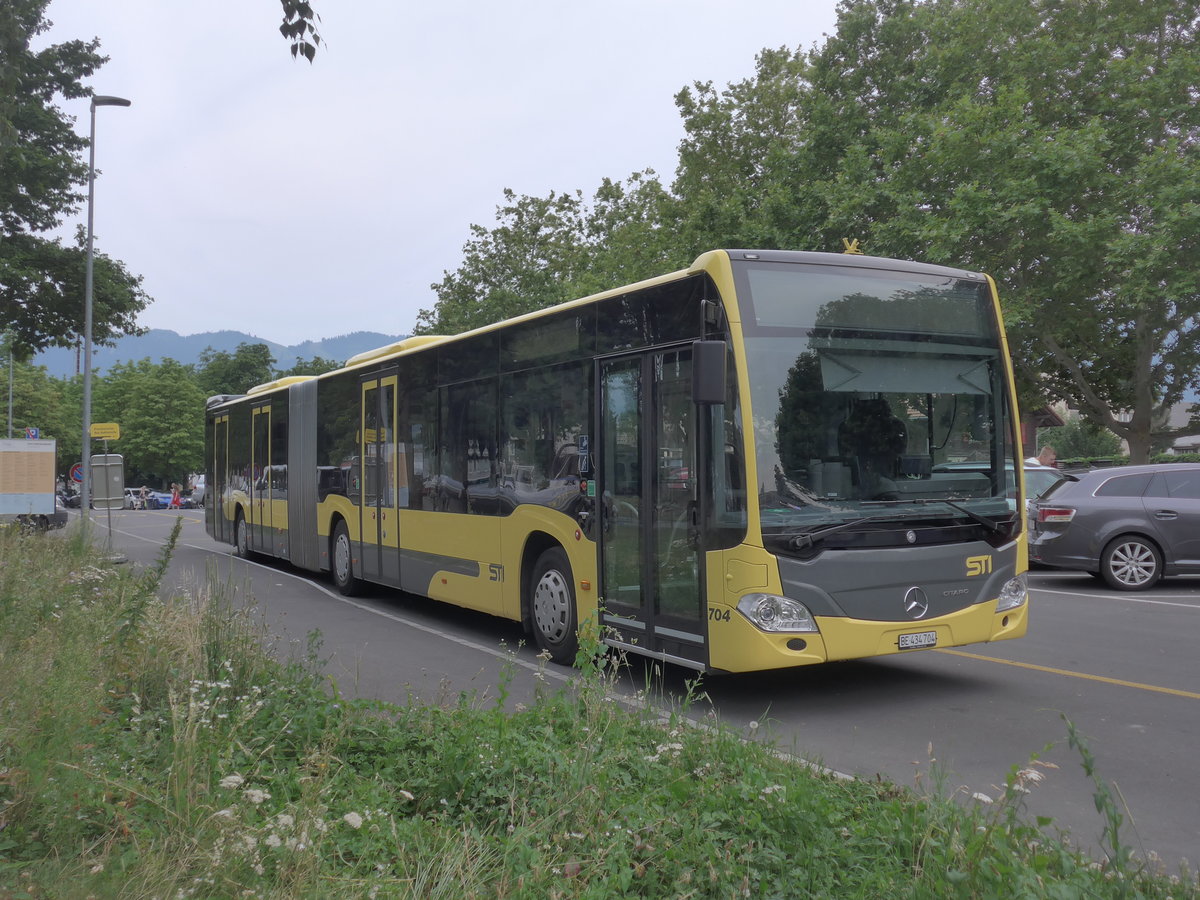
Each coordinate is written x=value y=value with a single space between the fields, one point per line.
x=1130 y=525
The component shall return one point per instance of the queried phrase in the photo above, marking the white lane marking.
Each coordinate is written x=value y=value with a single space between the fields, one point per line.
x=1117 y=596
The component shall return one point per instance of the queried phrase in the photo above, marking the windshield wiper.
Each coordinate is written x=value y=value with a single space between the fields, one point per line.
x=805 y=540
x=991 y=524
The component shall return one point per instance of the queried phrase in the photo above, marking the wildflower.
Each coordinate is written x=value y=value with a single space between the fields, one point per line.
x=96 y=869
x=753 y=726
x=231 y=781
x=406 y=795
x=982 y=798
x=1030 y=775
x=224 y=813
x=254 y=795
x=284 y=820
x=353 y=819
x=273 y=840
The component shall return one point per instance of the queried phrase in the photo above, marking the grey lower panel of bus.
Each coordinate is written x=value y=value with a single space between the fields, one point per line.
x=875 y=584
x=417 y=569
x=303 y=549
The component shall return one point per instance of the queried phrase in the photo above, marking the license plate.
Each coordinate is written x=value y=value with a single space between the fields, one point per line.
x=918 y=640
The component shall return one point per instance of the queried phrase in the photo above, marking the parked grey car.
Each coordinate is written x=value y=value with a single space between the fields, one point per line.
x=1129 y=526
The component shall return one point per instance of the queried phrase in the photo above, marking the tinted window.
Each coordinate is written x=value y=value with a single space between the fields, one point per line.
x=657 y=315
x=557 y=338
x=545 y=425
x=1038 y=480
x=467 y=446
x=475 y=357
x=1125 y=486
x=1185 y=485
x=279 y=449
x=417 y=429
x=337 y=434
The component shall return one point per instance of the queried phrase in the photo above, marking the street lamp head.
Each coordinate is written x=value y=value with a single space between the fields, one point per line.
x=105 y=100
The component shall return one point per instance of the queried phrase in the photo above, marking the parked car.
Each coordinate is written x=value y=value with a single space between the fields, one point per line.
x=198 y=490
x=158 y=499
x=1039 y=480
x=40 y=521
x=1130 y=526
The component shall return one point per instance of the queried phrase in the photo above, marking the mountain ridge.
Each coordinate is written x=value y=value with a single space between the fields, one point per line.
x=158 y=344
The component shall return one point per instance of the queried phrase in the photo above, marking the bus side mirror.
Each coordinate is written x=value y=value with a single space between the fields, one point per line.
x=708 y=372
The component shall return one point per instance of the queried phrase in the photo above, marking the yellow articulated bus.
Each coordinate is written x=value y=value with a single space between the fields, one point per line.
x=769 y=459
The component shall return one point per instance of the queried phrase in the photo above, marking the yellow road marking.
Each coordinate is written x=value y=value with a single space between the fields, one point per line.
x=1191 y=695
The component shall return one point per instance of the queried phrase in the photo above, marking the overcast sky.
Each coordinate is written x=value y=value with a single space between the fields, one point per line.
x=296 y=202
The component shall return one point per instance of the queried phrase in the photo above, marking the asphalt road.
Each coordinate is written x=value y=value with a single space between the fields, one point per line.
x=1122 y=667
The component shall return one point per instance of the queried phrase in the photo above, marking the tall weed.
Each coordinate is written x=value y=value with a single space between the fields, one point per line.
x=166 y=754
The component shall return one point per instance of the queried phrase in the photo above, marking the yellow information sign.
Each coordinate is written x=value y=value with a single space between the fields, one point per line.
x=106 y=431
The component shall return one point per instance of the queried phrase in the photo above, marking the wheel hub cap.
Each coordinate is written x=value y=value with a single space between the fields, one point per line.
x=1133 y=564
x=551 y=600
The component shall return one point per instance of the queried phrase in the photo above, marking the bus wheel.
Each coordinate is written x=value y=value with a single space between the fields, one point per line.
x=342 y=565
x=552 y=603
x=241 y=536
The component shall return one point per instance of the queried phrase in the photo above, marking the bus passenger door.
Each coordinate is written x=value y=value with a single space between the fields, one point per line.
x=215 y=510
x=260 y=482
x=380 y=519
x=650 y=565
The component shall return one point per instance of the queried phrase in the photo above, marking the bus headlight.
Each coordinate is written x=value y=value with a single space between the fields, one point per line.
x=772 y=613
x=1013 y=594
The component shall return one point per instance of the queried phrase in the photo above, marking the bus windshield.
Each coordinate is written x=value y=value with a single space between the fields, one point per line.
x=880 y=406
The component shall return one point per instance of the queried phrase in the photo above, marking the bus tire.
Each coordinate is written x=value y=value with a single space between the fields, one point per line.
x=552 y=606
x=241 y=536
x=341 y=561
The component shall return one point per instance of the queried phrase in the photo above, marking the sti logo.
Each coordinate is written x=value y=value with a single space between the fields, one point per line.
x=979 y=565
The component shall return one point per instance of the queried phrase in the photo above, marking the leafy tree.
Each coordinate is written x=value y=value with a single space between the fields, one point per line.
x=548 y=250
x=160 y=409
x=221 y=372
x=42 y=172
x=318 y=365
x=37 y=402
x=299 y=27
x=1053 y=144
x=1079 y=438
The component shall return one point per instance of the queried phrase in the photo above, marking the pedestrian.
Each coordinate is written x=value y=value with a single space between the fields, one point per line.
x=174 y=496
x=1047 y=457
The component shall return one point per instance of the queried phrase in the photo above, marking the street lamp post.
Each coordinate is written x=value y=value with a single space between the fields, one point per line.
x=85 y=498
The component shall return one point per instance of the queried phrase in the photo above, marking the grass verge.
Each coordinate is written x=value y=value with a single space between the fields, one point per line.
x=150 y=748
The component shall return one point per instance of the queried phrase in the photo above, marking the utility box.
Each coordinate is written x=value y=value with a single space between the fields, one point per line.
x=108 y=481
x=27 y=477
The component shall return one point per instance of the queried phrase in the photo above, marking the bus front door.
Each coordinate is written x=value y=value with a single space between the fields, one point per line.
x=650 y=563
x=380 y=519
